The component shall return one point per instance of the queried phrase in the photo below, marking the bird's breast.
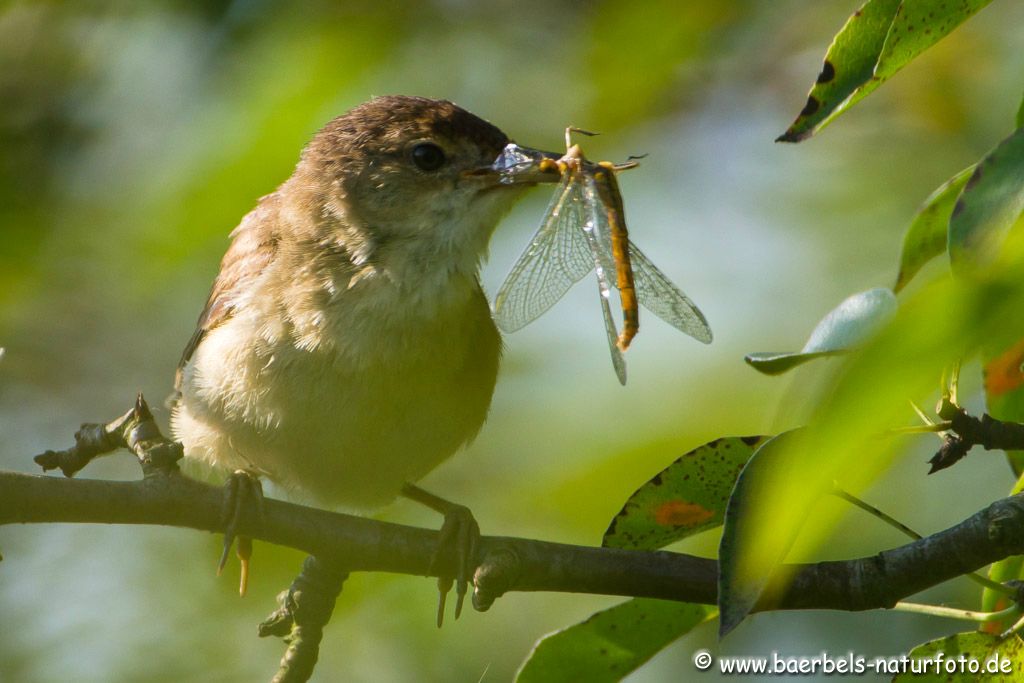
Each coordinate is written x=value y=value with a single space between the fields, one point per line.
x=349 y=399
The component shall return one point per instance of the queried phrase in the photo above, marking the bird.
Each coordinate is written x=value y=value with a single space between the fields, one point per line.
x=347 y=347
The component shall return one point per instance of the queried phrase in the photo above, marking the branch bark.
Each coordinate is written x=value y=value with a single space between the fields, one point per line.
x=517 y=564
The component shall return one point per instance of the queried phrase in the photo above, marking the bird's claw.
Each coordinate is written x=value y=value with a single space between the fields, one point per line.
x=242 y=508
x=459 y=540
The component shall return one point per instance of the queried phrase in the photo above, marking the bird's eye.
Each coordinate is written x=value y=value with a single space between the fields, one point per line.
x=427 y=156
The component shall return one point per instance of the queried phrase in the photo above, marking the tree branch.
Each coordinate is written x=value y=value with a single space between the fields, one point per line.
x=967 y=431
x=517 y=564
x=339 y=543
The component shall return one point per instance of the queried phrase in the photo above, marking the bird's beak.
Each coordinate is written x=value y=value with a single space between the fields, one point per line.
x=521 y=165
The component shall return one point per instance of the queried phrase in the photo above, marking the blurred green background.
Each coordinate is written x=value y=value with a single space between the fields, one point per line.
x=134 y=135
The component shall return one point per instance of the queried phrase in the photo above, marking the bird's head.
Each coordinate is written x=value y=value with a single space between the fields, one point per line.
x=413 y=175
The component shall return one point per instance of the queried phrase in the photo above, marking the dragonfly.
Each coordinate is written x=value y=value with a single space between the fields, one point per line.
x=584 y=231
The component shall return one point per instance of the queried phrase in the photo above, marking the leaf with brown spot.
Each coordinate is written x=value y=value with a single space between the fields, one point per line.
x=878 y=40
x=1004 y=375
x=852 y=58
x=686 y=497
x=680 y=513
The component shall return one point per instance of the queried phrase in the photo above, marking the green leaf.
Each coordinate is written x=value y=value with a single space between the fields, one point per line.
x=926 y=237
x=843 y=441
x=743 y=572
x=879 y=39
x=918 y=25
x=985 y=649
x=1006 y=569
x=686 y=497
x=988 y=206
x=849 y=63
x=1020 y=114
x=776 y=363
x=611 y=643
x=847 y=325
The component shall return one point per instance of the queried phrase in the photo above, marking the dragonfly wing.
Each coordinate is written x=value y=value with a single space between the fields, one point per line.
x=618 y=362
x=596 y=212
x=613 y=241
x=662 y=298
x=550 y=264
x=593 y=232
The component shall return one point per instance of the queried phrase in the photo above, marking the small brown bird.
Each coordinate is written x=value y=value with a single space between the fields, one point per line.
x=347 y=347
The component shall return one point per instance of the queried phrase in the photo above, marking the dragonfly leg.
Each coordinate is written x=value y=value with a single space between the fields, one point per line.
x=573 y=129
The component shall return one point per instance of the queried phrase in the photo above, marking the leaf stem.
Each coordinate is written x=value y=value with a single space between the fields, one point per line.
x=954 y=613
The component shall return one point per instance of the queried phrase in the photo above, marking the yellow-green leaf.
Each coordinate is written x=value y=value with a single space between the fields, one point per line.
x=843 y=439
x=1006 y=569
x=926 y=237
x=745 y=570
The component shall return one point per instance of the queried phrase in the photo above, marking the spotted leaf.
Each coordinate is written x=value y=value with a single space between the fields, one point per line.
x=686 y=497
x=849 y=63
x=879 y=39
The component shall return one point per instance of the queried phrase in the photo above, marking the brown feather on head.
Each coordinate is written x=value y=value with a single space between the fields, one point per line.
x=384 y=123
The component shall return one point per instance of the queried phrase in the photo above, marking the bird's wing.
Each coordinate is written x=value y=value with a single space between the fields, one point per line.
x=252 y=249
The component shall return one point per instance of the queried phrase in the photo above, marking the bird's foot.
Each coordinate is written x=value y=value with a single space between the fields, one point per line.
x=242 y=509
x=454 y=559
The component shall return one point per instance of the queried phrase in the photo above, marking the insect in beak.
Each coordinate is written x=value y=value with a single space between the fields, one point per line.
x=518 y=165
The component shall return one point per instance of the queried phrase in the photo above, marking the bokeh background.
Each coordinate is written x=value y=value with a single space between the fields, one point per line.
x=134 y=135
